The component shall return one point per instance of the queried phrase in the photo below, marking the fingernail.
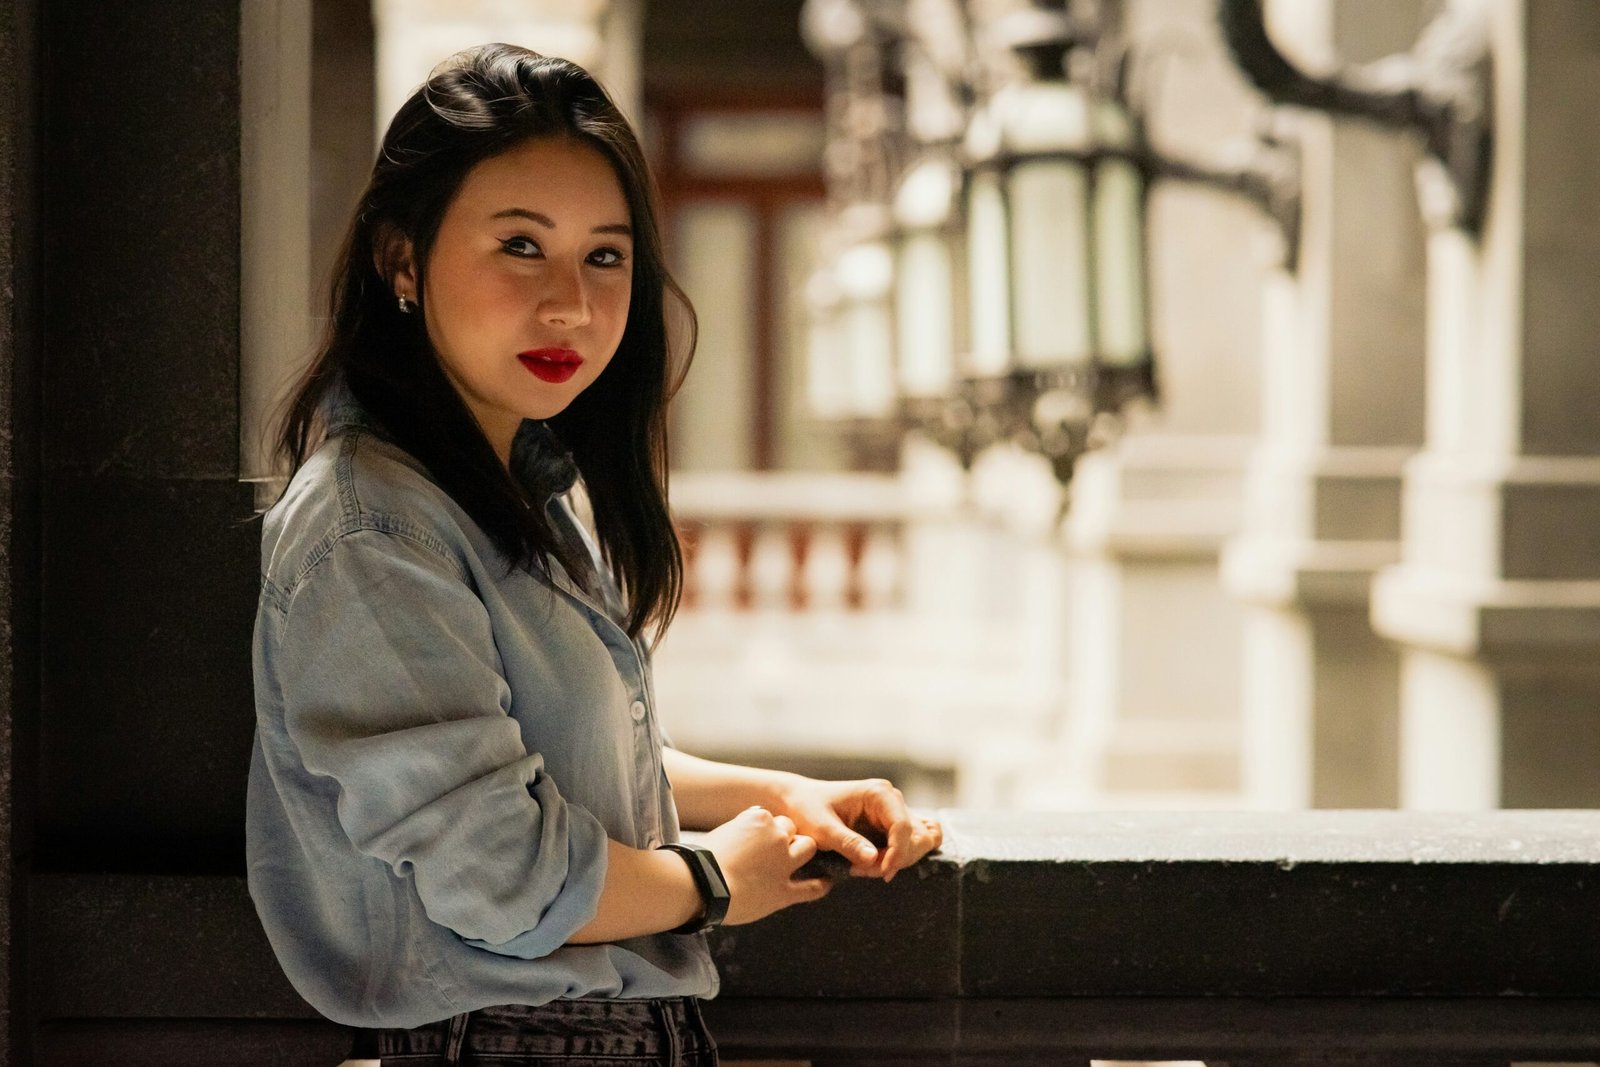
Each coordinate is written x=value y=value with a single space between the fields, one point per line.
x=866 y=851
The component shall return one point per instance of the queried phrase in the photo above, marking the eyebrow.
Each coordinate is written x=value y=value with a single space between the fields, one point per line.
x=546 y=221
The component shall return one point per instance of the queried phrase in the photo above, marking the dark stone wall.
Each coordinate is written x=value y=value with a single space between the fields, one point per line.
x=18 y=500
x=148 y=562
x=127 y=550
x=127 y=543
x=128 y=546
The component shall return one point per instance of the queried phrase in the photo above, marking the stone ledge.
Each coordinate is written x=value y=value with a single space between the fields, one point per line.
x=1329 y=904
x=1322 y=903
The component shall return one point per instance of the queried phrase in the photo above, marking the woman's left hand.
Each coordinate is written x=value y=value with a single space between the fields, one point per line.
x=837 y=815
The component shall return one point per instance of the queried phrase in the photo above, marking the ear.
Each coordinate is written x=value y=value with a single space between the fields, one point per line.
x=395 y=260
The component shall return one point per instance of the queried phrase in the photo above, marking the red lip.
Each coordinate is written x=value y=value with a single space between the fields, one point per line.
x=553 y=365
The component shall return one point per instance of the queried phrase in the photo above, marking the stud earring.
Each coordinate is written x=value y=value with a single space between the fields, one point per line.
x=405 y=305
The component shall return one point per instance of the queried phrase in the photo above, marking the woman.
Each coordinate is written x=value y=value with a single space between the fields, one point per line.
x=463 y=819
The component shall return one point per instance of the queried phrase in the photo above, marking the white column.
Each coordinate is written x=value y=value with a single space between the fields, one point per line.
x=1342 y=406
x=275 y=223
x=1153 y=640
x=1497 y=597
x=601 y=36
x=1010 y=731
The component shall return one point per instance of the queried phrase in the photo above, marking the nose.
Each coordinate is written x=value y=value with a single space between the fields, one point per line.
x=563 y=300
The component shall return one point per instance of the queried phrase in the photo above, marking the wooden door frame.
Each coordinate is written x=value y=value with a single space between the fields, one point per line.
x=767 y=197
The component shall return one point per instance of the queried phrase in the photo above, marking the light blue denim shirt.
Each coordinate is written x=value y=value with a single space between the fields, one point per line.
x=442 y=749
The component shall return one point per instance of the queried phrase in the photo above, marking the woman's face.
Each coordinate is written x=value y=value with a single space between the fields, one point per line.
x=528 y=282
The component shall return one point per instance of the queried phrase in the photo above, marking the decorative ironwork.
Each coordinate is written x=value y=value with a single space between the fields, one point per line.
x=1050 y=370
x=1441 y=89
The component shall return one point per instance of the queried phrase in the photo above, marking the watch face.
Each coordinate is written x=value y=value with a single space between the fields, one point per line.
x=709 y=881
x=714 y=879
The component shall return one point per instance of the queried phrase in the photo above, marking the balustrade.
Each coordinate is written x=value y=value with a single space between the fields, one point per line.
x=849 y=620
x=787 y=542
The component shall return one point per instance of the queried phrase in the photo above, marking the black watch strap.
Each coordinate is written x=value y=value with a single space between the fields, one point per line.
x=707 y=874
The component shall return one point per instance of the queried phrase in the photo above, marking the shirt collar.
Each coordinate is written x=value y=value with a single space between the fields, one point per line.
x=539 y=461
x=342 y=413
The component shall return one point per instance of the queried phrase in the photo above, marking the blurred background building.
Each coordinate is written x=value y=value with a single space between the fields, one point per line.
x=1073 y=423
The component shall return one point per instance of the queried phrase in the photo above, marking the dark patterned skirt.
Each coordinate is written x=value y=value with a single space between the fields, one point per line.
x=668 y=1032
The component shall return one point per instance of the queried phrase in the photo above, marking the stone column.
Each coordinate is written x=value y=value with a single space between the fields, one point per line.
x=1496 y=600
x=1341 y=412
x=600 y=35
x=1152 y=638
x=146 y=561
x=1011 y=623
x=19 y=573
x=276 y=282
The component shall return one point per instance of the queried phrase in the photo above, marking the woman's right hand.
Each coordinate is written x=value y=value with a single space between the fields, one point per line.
x=759 y=853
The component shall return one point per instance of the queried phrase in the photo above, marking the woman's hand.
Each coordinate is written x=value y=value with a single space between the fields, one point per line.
x=759 y=853
x=839 y=815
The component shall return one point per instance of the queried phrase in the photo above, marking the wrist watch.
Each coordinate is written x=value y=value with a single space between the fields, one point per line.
x=709 y=880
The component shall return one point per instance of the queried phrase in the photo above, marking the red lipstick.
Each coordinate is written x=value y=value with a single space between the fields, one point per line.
x=554 y=365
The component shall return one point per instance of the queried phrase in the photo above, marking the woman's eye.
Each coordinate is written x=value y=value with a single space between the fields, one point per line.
x=525 y=247
x=606 y=257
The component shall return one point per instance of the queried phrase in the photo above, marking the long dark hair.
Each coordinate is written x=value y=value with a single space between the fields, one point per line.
x=475 y=105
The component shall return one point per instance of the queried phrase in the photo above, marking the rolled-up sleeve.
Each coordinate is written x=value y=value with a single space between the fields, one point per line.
x=392 y=688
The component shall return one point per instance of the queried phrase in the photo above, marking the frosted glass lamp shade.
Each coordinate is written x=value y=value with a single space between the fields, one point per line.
x=925 y=294
x=865 y=275
x=1121 y=316
x=864 y=271
x=1050 y=261
x=988 y=276
x=1046 y=128
x=827 y=362
x=925 y=327
x=927 y=194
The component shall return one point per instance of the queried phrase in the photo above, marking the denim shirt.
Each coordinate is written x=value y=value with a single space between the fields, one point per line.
x=443 y=748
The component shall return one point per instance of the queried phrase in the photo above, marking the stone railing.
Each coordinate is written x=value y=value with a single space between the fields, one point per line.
x=791 y=542
x=1033 y=939
x=847 y=624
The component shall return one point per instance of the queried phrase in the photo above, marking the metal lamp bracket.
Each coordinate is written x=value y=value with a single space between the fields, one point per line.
x=1268 y=178
x=1442 y=89
x=1265 y=171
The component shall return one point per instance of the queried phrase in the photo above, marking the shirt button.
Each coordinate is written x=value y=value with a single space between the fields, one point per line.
x=637 y=711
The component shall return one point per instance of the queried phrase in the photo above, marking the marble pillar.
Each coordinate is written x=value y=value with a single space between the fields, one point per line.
x=275 y=290
x=1496 y=599
x=1153 y=640
x=1342 y=408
